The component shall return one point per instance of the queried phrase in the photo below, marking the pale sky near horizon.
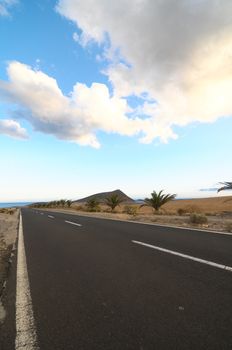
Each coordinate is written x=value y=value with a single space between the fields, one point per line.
x=98 y=95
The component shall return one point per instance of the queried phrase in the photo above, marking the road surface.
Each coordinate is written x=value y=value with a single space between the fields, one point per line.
x=105 y=284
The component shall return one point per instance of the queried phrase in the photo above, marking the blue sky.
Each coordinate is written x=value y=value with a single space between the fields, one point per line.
x=93 y=100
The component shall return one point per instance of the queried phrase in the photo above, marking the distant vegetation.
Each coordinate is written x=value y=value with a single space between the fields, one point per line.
x=53 y=204
x=112 y=200
x=158 y=199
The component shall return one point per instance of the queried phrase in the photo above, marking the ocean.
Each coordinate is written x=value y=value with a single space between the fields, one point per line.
x=13 y=204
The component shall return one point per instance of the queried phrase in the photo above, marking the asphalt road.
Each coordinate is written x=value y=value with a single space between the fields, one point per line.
x=92 y=287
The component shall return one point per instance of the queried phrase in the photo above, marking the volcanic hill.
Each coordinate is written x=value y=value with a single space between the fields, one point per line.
x=101 y=197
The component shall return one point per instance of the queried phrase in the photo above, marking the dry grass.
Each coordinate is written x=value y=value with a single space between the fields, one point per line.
x=209 y=206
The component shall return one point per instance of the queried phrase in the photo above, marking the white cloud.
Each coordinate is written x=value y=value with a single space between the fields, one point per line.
x=76 y=117
x=12 y=128
x=76 y=37
x=5 y=5
x=177 y=51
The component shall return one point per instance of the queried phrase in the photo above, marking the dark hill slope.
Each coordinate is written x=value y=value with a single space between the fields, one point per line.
x=103 y=195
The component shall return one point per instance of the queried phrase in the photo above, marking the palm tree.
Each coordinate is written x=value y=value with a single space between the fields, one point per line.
x=92 y=204
x=62 y=202
x=227 y=186
x=68 y=202
x=113 y=201
x=158 y=199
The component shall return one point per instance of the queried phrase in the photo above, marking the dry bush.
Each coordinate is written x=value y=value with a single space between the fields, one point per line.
x=181 y=211
x=198 y=219
x=130 y=210
x=228 y=226
x=192 y=209
x=106 y=209
x=9 y=211
x=97 y=209
x=80 y=207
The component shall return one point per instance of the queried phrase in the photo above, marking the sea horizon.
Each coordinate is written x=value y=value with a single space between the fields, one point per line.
x=13 y=204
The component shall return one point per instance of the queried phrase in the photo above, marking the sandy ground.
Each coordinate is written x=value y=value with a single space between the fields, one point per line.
x=8 y=234
x=208 y=206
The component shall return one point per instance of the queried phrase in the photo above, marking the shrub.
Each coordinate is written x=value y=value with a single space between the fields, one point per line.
x=228 y=226
x=92 y=205
x=7 y=211
x=11 y=211
x=130 y=210
x=181 y=211
x=79 y=207
x=198 y=219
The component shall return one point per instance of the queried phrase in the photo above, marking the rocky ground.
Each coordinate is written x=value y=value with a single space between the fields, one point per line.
x=8 y=233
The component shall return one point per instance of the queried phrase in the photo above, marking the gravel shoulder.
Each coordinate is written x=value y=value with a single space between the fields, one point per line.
x=8 y=235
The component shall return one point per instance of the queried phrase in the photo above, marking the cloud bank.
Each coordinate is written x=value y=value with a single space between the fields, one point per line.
x=212 y=189
x=178 y=52
x=174 y=56
x=76 y=117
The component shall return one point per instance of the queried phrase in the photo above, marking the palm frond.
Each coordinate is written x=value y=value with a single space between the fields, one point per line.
x=227 y=186
x=113 y=201
x=158 y=199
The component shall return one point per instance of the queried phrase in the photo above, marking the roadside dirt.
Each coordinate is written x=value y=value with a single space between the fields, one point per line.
x=8 y=234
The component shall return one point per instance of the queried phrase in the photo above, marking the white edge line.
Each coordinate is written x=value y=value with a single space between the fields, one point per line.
x=202 y=261
x=148 y=223
x=72 y=223
x=26 y=337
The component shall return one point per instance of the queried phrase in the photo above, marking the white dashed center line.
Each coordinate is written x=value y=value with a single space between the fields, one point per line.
x=73 y=223
x=202 y=261
x=50 y=216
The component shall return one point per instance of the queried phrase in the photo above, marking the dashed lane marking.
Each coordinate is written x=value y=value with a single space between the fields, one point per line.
x=51 y=217
x=72 y=223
